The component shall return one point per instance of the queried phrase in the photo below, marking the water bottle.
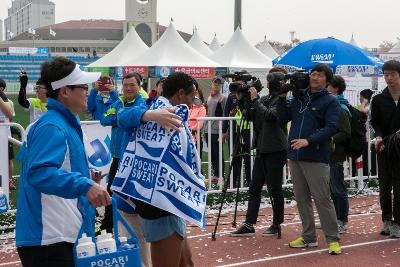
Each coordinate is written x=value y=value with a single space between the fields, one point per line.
x=85 y=247
x=105 y=243
x=124 y=245
x=3 y=202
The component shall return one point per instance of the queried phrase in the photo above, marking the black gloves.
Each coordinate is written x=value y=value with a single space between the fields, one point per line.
x=23 y=79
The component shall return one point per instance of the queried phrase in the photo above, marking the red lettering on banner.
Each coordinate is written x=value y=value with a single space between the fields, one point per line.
x=142 y=70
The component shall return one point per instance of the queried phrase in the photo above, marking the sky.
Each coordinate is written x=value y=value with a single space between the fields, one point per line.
x=370 y=21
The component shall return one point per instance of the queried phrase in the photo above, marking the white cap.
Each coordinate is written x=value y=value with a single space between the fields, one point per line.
x=77 y=76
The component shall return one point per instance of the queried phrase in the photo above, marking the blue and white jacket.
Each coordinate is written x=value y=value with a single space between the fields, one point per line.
x=118 y=139
x=97 y=105
x=54 y=181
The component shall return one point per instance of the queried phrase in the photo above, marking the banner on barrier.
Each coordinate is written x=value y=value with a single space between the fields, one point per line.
x=4 y=131
x=97 y=139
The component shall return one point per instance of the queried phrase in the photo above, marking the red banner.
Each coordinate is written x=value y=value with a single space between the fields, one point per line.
x=142 y=70
x=196 y=72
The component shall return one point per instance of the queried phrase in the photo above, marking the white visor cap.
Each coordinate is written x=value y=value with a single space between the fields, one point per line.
x=77 y=76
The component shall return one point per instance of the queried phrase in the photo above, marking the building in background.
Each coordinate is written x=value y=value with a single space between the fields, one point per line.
x=24 y=15
x=1 y=30
x=142 y=14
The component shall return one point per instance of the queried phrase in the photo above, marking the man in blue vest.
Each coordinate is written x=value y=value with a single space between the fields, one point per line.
x=56 y=194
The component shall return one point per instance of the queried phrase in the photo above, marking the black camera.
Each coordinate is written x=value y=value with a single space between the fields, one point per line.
x=298 y=80
x=241 y=83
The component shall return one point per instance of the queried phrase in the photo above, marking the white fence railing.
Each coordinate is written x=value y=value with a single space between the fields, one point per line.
x=355 y=180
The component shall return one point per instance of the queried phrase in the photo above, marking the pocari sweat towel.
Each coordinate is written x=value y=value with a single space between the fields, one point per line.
x=163 y=170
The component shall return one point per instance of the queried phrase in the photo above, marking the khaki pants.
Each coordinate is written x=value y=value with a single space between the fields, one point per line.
x=134 y=222
x=311 y=179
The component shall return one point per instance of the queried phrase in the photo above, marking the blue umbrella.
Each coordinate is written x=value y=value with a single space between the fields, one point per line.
x=342 y=57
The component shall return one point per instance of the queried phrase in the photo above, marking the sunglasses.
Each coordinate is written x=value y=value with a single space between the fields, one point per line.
x=83 y=86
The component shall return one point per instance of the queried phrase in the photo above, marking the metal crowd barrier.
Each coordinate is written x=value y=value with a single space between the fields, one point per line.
x=356 y=182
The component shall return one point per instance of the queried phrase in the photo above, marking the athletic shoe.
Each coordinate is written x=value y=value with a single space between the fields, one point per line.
x=386 y=227
x=273 y=230
x=244 y=230
x=334 y=248
x=395 y=231
x=301 y=243
x=342 y=227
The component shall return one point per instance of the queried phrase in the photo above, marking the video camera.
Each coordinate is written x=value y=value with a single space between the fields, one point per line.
x=247 y=81
x=298 y=80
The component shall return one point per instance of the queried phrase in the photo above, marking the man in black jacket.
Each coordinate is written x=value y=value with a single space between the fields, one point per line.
x=271 y=144
x=385 y=119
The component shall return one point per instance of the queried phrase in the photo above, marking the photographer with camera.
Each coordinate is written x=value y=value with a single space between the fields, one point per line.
x=101 y=97
x=270 y=139
x=314 y=116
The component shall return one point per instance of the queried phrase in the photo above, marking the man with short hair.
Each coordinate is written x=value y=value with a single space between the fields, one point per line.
x=99 y=100
x=56 y=196
x=338 y=155
x=271 y=146
x=314 y=116
x=385 y=120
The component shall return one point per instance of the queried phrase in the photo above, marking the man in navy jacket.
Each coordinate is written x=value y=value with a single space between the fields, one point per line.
x=314 y=116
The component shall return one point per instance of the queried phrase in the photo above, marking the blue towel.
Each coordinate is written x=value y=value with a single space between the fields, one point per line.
x=163 y=170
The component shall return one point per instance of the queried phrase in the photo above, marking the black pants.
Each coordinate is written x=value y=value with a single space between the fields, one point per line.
x=389 y=178
x=267 y=168
x=58 y=254
x=214 y=150
x=107 y=222
x=237 y=162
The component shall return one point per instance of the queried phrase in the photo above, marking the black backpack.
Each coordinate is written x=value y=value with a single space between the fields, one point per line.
x=357 y=142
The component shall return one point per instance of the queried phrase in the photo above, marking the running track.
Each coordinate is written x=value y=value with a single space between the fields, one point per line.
x=361 y=245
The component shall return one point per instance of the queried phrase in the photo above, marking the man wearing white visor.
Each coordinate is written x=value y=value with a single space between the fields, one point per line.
x=56 y=194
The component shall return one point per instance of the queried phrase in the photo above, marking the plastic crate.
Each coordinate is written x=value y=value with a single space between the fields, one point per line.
x=126 y=258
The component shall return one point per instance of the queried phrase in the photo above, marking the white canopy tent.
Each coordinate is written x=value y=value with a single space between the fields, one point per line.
x=396 y=47
x=353 y=41
x=239 y=53
x=267 y=49
x=214 y=45
x=199 y=45
x=172 y=50
x=130 y=47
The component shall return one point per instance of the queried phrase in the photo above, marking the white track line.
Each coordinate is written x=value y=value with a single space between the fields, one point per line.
x=283 y=224
x=8 y=263
x=305 y=253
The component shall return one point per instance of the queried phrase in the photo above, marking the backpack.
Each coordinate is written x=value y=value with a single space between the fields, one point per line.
x=357 y=142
